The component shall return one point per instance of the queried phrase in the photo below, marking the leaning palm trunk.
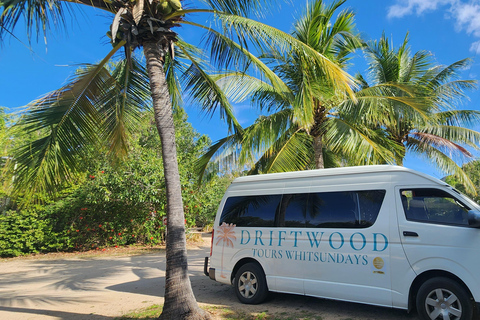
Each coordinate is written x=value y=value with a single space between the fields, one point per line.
x=180 y=302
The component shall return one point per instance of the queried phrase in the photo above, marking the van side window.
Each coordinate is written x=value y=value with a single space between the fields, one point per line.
x=292 y=211
x=433 y=206
x=352 y=209
x=370 y=203
x=251 y=211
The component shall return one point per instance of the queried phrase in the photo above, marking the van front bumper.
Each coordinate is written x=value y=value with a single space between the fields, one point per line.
x=209 y=272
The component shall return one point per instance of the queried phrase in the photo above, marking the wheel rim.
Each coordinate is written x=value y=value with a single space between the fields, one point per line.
x=247 y=284
x=442 y=304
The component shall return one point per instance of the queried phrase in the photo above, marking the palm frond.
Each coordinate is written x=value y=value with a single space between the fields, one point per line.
x=239 y=87
x=65 y=121
x=291 y=152
x=303 y=105
x=243 y=148
x=240 y=7
x=270 y=39
x=263 y=133
x=448 y=95
x=221 y=155
x=176 y=67
x=454 y=134
x=359 y=144
x=382 y=104
x=122 y=103
x=444 y=74
x=442 y=161
x=204 y=90
x=227 y=52
x=440 y=143
x=462 y=118
x=40 y=16
x=412 y=68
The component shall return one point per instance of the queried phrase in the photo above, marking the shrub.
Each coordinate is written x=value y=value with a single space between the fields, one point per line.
x=28 y=231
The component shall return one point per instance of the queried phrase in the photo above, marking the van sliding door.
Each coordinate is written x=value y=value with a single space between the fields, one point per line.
x=346 y=244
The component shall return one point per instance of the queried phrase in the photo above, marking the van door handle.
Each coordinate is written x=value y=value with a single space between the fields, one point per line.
x=410 y=234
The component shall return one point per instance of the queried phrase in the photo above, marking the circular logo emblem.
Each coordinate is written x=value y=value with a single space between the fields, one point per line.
x=378 y=263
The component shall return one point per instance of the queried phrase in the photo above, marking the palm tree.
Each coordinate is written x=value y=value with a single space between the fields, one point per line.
x=95 y=104
x=438 y=131
x=302 y=127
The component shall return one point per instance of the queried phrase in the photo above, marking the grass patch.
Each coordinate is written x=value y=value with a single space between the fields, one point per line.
x=151 y=312
x=224 y=313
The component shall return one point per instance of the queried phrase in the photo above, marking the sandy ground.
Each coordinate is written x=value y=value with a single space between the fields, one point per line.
x=105 y=286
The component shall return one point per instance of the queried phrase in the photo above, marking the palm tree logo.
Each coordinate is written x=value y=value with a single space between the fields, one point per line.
x=226 y=235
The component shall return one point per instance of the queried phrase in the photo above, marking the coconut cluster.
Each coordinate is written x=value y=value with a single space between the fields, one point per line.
x=137 y=22
x=168 y=6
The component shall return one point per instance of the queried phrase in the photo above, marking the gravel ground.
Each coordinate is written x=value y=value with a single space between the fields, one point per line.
x=107 y=285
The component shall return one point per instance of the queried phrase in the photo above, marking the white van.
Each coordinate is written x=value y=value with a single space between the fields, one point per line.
x=381 y=235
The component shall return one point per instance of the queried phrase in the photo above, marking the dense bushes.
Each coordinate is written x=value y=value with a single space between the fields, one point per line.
x=28 y=231
x=115 y=204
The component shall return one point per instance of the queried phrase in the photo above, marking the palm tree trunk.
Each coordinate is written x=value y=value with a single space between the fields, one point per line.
x=318 y=152
x=180 y=302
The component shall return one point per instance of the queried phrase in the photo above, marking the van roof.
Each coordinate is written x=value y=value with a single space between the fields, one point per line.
x=333 y=172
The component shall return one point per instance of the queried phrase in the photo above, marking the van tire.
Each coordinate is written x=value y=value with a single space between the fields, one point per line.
x=250 y=284
x=439 y=295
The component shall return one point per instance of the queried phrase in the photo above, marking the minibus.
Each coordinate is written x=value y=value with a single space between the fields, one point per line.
x=381 y=235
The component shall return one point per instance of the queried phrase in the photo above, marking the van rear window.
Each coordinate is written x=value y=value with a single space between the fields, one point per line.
x=349 y=209
x=251 y=211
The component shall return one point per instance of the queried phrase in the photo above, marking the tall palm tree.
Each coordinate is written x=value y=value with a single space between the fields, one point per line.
x=72 y=116
x=438 y=132
x=302 y=127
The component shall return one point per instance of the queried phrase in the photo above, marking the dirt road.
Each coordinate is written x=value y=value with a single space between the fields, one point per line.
x=103 y=287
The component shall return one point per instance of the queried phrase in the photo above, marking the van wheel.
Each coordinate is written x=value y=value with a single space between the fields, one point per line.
x=250 y=284
x=444 y=298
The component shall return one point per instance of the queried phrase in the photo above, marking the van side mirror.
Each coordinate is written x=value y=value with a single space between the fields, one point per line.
x=474 y=218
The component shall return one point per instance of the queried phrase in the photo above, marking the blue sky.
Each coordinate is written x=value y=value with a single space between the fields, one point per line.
x=450 y=29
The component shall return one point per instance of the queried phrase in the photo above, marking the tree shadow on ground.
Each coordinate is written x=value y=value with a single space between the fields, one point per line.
x=211 y=293
x=16 y=314
x=69 y=279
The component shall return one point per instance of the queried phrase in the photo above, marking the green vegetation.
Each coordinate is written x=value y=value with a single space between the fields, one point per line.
x=407 y=103
x=114 y=204
x=472 y=169
x=225 y=313
x=29 y=231
x=429 y=125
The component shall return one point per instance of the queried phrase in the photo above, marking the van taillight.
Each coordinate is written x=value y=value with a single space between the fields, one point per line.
x=211 y=244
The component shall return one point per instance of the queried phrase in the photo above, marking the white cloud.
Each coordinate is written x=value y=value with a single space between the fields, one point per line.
x=475 y=47
x=406 y=7
x=465 y=14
